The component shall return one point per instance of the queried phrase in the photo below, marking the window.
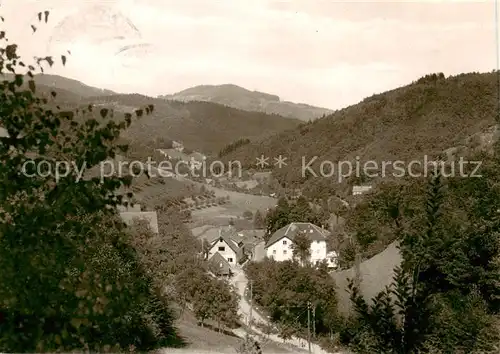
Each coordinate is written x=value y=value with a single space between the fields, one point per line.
x=230 y=260
x=274 y=251
x=284 y=242
x=284 y=251
x=222 y=248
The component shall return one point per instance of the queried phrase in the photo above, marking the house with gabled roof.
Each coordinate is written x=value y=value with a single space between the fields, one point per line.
x=219 y=266
x=279 y=246
x=225 y=247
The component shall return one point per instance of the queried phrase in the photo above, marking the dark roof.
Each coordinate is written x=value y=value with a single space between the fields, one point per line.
x=213 y=235
x=218 y=265
x=315 y=233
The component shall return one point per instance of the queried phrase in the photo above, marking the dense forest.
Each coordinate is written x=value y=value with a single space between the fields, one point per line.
x=427 y=117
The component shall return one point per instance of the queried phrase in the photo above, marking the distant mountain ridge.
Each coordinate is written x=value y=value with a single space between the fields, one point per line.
x=202 y=126
x=75 y=87
x=241 y=98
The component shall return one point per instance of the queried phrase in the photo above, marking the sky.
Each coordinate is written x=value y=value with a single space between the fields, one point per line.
x=321 y=52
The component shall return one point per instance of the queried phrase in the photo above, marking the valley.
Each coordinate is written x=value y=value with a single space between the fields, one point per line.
x=270 y=256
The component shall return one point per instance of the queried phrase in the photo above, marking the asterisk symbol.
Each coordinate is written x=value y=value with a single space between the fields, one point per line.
x=262 y=161
x=280 y=161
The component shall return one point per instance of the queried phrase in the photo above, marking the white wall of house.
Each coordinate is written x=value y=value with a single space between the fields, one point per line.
x=280 y=251
x=224 y=250
x=358 y=190
x=318 y=251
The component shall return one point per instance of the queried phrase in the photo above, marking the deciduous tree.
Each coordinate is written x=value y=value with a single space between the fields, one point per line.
x=69 y=277
x=301 y=248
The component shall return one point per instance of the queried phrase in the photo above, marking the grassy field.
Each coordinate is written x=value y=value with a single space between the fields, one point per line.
x=238 y=204
x=244 y=201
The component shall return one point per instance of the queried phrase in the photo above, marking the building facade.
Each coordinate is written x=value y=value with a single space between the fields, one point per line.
x=226 y=248
x=280 y=245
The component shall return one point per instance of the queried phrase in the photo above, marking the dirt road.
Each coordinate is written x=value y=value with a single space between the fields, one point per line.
x=240 y=281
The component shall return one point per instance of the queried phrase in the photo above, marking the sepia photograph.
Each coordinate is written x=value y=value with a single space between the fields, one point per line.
x=252 y=177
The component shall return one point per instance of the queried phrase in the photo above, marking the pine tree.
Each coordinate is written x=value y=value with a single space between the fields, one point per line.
x=301 y=247
x=412 y=294
x=301 y=211
x=258 y=220
x=278 y=217
x=445 y=293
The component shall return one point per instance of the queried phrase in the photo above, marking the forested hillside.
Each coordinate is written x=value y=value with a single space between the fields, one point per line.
x=423 y=118
x=201 y=126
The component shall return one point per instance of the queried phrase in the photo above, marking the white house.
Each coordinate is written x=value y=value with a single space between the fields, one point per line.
x=225 y=247
x=358 y=190
x=279 y=247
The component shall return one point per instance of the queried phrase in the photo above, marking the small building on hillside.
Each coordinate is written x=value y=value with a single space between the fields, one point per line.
x=358 y=190
x=279 y=247
x=225 y=247
x=238 y=246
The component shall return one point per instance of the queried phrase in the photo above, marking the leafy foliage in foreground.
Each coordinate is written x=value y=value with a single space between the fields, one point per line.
x=173 y=260
x=69 y=279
